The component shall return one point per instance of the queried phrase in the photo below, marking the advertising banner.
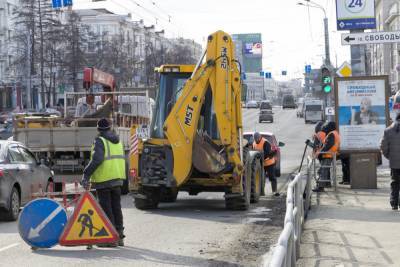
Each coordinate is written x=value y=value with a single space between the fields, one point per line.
x=355 y=14
x=361 y=111
x=253 y=49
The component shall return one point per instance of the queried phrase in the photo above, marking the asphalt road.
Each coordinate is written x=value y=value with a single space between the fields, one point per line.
x=194 y=231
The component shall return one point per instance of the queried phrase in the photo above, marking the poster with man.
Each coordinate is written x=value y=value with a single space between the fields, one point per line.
x=362 y=111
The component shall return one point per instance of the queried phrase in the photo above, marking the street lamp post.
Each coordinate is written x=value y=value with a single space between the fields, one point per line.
x=326 y=28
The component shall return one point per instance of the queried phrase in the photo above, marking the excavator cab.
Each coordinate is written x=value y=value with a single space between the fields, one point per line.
x=171 y=83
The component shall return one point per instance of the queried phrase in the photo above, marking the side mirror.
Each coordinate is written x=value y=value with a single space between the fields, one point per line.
x=281 y=144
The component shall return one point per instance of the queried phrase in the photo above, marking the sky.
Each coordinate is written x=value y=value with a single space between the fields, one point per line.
x=292 y=35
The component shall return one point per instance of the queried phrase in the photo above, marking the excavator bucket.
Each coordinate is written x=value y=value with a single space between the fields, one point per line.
x=206 y=157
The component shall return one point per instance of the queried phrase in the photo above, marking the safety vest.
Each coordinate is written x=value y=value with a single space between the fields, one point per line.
x=260 y=147
x=335 y=147
x=113 y=165
x=320 y=136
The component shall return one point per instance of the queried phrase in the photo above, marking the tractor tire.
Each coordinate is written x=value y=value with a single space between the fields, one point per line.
x=242 y=202
x=168 y=195
x=256 y=181
x=151 y=201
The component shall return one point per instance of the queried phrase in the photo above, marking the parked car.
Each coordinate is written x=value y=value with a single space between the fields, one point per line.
x=19 y=169
x=252 y=104
x=266 y=115
x=274 y=143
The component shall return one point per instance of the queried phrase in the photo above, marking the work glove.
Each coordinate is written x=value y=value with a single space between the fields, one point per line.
x=309 y=143
x=85 y=183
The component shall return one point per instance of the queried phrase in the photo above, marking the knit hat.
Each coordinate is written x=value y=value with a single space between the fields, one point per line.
x=103 y=125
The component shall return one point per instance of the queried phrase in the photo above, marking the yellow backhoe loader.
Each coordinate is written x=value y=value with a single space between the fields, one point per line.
x=196 y=141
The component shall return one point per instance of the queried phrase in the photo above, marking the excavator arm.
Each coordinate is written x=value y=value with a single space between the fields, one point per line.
x=219 y=74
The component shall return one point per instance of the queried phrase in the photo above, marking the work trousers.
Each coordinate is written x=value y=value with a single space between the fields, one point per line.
x=110 y=202
x=325 y=173
x=345 y=168
x=395 y=187
x=270 y=173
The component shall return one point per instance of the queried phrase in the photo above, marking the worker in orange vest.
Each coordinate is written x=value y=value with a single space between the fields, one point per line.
x=330 y=147
x=261 y=144
x=318 y=138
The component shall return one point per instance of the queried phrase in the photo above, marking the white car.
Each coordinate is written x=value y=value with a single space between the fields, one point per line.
x=252 y=104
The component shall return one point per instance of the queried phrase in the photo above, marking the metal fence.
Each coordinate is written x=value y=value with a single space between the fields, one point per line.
x=298 y=202
x=298 y=199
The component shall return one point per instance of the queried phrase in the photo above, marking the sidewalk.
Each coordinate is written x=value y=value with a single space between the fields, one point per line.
x=352 y=228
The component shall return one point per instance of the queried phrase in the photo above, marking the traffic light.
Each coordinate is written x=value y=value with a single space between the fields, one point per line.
x=326 y=80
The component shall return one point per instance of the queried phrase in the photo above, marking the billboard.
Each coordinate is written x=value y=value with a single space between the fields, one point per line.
x=248 y=50
x=355 y=14
x=361 y=111
x=253 y=49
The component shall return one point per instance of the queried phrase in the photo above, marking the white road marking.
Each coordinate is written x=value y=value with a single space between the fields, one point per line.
x=8 y=247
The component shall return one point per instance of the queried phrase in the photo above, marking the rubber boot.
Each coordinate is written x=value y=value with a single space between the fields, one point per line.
x=121 y=238
x=274 y=186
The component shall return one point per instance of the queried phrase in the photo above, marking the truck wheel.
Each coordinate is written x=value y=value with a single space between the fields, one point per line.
x=151 y=201
x=256 y=181
x=168 y=195
x=242 y=202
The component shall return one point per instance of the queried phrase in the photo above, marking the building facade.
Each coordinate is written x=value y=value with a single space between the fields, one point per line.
x=10 y=91
x=248 y=50
x=383 y=59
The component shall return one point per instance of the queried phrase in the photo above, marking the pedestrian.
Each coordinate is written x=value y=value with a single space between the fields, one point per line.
x=345 y=159
x=105 y=173
x=261 y=144
x=390 y=147
x=330 y=147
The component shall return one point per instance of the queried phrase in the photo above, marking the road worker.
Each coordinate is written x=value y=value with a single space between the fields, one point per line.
x=261 y=144
x=106 y=172
x=318 y=138
x=330 y=147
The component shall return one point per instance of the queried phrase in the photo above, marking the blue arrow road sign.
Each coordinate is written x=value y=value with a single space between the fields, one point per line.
x=67 y=2
x=307 y=69
x=41 y=223
x=57 y=3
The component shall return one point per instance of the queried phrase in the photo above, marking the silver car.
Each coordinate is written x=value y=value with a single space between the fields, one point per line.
x=19 y=170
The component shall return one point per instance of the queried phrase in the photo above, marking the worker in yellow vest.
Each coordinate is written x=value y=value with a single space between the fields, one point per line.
x=106 y=173
x=330 y=148
x=261 y=144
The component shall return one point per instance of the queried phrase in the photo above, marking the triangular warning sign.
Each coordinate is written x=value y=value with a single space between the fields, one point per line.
x=88 y=225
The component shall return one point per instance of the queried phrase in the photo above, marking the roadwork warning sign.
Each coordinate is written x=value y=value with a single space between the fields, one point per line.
x=88 y=225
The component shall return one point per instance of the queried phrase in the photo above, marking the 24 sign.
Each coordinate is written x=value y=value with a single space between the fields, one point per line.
x=355 y=6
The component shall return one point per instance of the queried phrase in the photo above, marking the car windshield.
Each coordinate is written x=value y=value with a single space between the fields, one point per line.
x=265 y=105
x=313 y=107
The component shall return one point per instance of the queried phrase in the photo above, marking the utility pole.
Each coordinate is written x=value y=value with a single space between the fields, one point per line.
x=327 y=62
x=327 y=53
x=29 y=80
